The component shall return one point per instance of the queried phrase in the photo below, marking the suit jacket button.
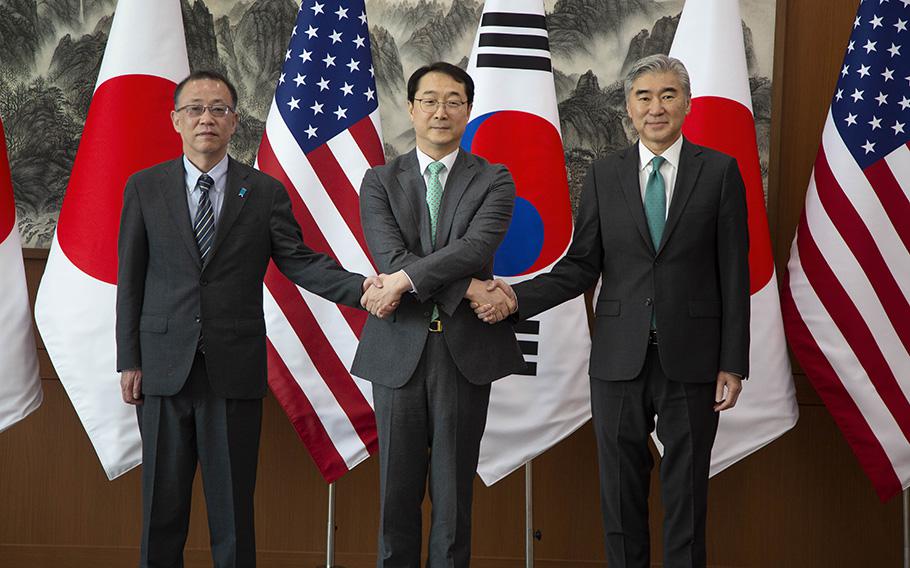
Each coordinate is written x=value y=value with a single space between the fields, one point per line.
x=648 y=301
x=426 y=314
x=198 y=319
x=204 y=282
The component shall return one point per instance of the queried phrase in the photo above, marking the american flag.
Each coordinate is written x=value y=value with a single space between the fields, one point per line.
x=845 y=302
x=321 y=135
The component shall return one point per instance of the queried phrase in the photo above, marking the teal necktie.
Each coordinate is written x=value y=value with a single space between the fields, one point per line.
x=434 y=195
x=656 y=210
x=656 y=201
x=434 y=199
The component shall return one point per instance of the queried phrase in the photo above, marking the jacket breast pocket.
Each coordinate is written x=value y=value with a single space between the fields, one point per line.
x=153 y=324
x=609 y=308
x=704 y=309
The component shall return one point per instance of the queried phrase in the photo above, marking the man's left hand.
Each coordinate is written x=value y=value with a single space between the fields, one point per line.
x=728 y=388
x=372 y=281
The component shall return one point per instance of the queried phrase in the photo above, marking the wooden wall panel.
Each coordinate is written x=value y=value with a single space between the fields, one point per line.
x=811 y=39
x=801 y=502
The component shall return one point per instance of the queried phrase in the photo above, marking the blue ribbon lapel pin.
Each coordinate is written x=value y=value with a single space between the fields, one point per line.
x=242 y=192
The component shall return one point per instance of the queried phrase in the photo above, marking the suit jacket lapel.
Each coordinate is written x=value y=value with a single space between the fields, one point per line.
x=690 y=163
x=410 y=178
x=456 y=183
x=231 y=205
x=631 y=189
x=173 y=185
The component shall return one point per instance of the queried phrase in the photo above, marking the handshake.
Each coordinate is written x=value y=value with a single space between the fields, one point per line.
x=491 y=300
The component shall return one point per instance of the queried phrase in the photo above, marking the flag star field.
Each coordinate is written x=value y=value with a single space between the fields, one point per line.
x=326 y=84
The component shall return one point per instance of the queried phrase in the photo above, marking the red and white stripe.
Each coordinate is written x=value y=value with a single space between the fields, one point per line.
x=20 y=386
x=709 y=41
x=846 y=303
x=127 y=129
x=312 y=341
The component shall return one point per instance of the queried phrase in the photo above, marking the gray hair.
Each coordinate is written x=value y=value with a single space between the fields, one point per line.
x=658 y=63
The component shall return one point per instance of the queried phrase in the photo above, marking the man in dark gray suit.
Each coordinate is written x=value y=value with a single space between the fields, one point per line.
x=664 y=224
x=196 y=237
x=433 y=219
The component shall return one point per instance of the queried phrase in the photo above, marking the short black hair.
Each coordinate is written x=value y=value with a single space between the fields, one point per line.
x=453 y=71
x=210 y=75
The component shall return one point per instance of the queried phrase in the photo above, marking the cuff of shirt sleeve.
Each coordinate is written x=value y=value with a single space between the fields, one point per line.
x=413 y=289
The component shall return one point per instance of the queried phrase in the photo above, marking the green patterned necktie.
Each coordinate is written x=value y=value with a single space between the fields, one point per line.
x=434 y=199
x=656 y=201
x=434 y=195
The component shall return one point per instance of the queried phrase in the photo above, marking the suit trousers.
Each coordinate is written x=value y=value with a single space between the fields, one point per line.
x=434 y=422
x=223 y=435
x=623 y=414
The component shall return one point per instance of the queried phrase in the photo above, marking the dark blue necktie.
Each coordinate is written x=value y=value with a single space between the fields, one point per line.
x=204 y=223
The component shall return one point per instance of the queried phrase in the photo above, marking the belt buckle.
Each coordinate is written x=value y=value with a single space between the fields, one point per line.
x=436 y=326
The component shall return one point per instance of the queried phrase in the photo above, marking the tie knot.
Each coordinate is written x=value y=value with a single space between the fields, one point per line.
x=435 y=167
x=205 y=182
x=657 y=162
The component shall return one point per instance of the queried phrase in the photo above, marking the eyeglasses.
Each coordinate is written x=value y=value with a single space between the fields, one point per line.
x=195 y=111
x=430 y=105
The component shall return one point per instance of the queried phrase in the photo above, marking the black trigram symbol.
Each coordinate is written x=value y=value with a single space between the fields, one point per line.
x=528 y=340
x=513 y=46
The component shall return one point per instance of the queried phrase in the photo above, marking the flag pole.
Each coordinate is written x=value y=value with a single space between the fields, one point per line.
x=330 y=530
x=906 y=499
x=529 y=516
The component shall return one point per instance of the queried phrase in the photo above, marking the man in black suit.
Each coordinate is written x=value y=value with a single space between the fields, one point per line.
x=196 y=237
x=433 y=219
x=664 y=224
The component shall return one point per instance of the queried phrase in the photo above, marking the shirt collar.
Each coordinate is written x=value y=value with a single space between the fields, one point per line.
x=671 y=154
x=448 y=160
x=217 y=173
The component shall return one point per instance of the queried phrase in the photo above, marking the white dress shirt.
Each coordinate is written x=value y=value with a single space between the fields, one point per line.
x=667 y=170
x=448 y=161
x=424 y=161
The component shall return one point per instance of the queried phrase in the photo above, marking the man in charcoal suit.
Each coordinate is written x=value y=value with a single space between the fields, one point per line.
x=433 y=219
x=664 y=224
x=196 y=237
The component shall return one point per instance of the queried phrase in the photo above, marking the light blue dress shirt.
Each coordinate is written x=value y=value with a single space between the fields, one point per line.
x=216 y=194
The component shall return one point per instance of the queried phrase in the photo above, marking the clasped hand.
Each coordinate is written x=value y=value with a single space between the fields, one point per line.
x=493 y=300
x=382 y=294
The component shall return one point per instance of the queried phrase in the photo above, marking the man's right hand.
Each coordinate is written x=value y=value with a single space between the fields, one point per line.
x=382 y=300
x=131 y=386
x=493 y=300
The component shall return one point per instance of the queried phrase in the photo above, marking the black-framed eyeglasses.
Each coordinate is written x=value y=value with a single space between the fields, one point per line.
x=195 y=111
x=430 y=105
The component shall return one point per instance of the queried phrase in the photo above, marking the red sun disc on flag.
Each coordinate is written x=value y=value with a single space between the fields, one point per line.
x=128 y=129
